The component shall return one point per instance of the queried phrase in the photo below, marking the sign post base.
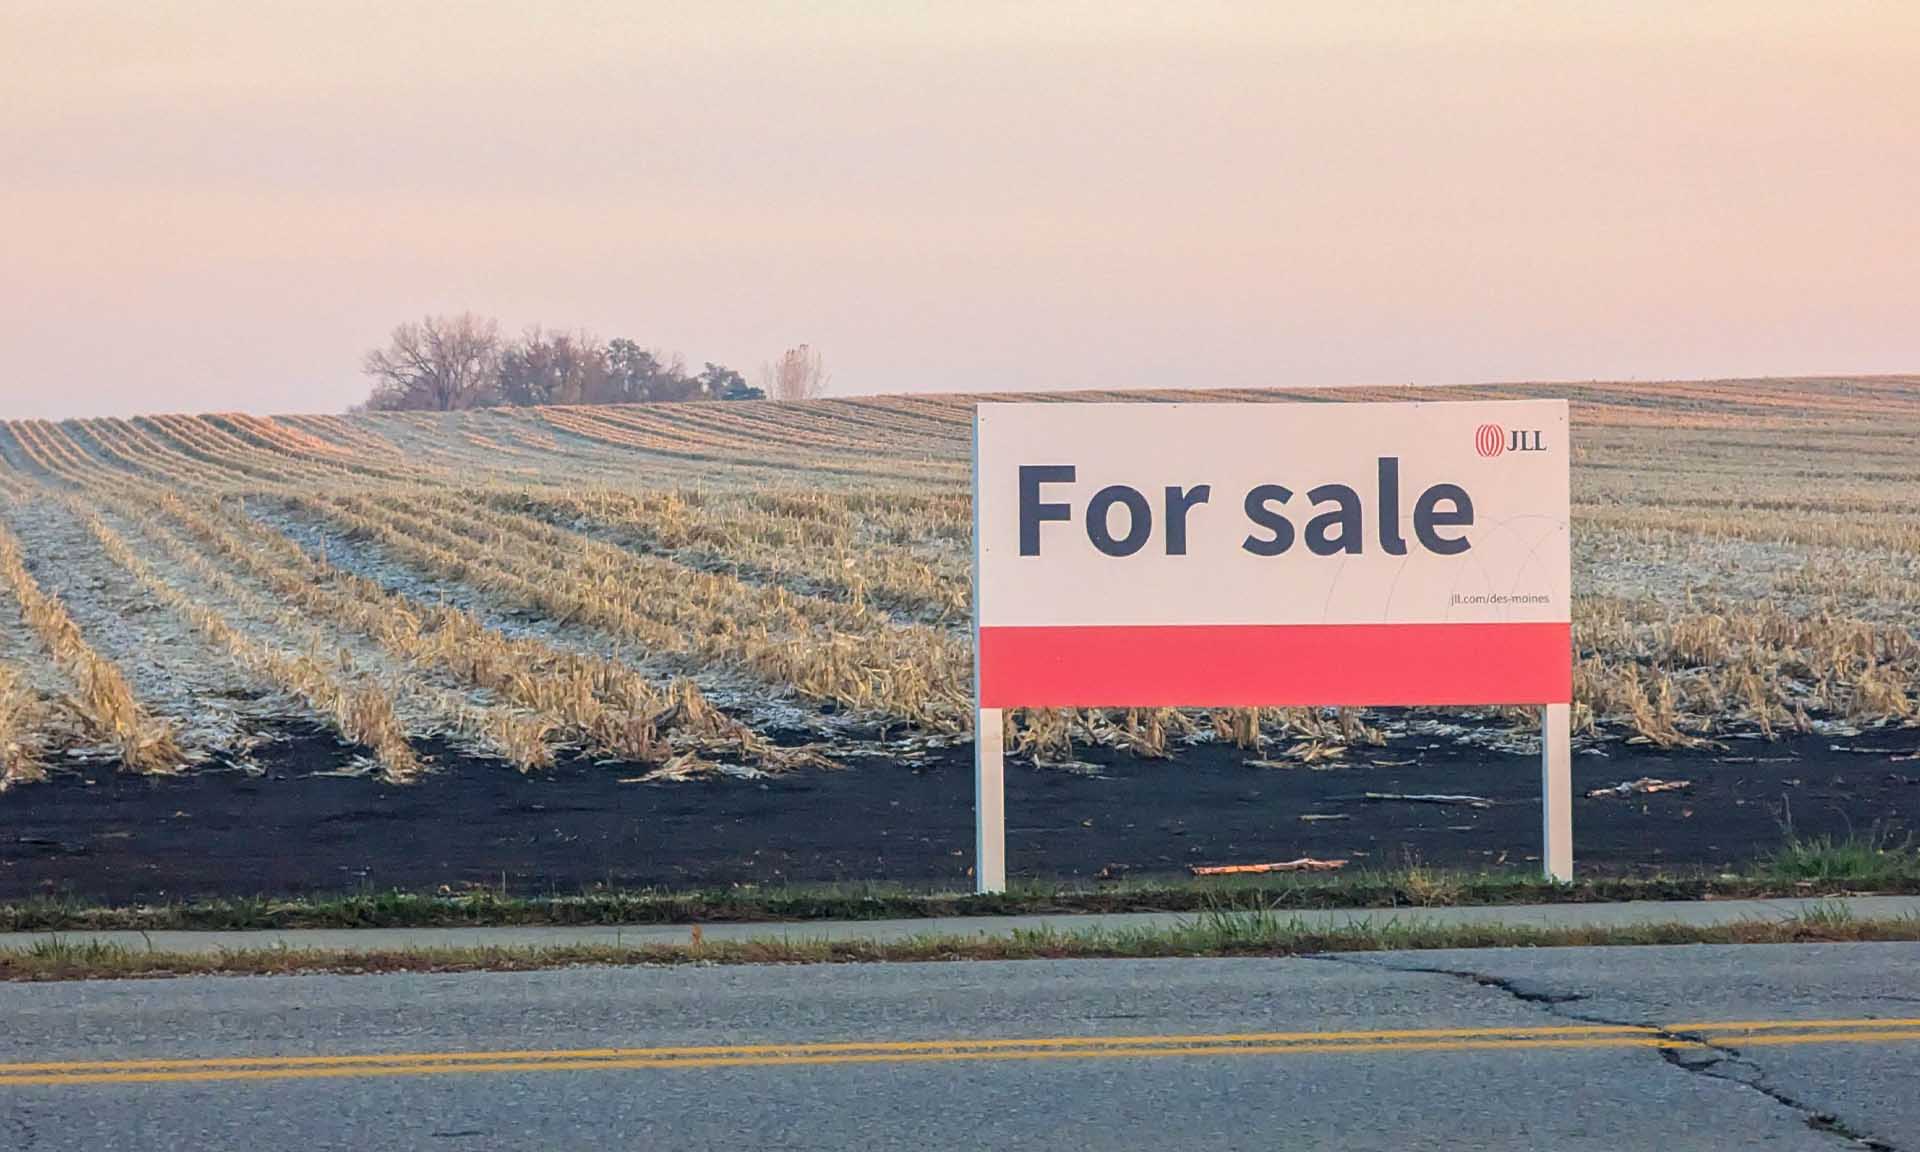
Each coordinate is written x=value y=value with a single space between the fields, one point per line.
x=1556 y=791
x=989 y=801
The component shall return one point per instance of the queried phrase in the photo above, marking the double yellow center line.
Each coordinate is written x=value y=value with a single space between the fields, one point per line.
x=1734 y=1034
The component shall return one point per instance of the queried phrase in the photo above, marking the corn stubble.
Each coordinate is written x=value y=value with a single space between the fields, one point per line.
x=598 y=703
x=20 y=725
x=363 y=713
x=1748 y=558
x=102 y=699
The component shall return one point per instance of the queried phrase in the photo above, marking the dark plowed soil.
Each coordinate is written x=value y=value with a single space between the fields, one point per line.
x=110 y=837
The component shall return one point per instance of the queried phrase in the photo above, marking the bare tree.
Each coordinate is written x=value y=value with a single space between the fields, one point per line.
x=555 y=368
x=443 y=363
x=446 y=363
x=799 y=374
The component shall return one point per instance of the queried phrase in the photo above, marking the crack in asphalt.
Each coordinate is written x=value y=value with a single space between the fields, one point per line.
x=1722 y=1062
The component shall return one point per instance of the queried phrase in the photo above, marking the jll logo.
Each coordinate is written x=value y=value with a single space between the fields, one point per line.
x=1491 y=440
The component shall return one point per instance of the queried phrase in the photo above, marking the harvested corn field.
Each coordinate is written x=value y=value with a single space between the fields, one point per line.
x=675 y=642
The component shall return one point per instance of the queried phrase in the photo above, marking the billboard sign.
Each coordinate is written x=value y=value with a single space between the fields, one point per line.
x=1273 y=554
x=1246 y=555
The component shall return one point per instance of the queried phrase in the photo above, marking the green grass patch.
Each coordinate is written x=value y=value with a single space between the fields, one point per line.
x=1872 y=858
x=1801 y=868
x=1218 y=933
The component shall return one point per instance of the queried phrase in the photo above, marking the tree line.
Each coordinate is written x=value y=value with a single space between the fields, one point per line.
x=448 y=363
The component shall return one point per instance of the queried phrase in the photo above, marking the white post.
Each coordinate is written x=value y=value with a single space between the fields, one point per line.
x=989 y=801
x=1556 y=791
x=989 y=738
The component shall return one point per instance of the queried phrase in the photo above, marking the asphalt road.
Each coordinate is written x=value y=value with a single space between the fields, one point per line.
x=1808 y=1046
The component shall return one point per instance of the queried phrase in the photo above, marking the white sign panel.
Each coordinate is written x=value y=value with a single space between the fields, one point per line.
x=1273 y=554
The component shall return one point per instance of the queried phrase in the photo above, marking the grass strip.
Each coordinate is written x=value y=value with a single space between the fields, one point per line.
x=1873 y=863
x=1803 y=870
x=1214 y=934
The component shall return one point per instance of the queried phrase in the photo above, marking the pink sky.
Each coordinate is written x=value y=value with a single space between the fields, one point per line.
x=218 y=206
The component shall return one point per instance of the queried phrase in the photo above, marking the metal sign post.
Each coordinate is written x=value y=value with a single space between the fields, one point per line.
x=989 y=742
x=989 y=800
x=1556 y=791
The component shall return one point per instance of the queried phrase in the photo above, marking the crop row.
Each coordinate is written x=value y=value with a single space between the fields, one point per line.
x=363 y=713
x=602 y=704
x=21 y=721
x=821 y=648
x=104 y=702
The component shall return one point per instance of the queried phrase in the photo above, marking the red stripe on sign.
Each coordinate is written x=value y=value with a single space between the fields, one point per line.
x=1258 y=665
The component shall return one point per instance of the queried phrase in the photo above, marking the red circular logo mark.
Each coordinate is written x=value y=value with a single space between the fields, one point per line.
x=1490 y=440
